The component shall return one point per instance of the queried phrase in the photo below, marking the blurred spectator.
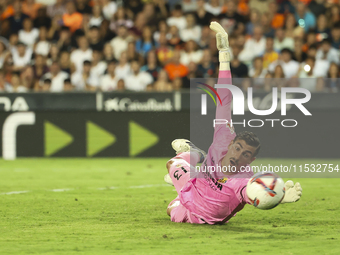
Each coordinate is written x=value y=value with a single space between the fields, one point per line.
x=57 y=9
x=65 y=62
x=207 y=68
x=16 y=20
x=191 y=53
x=177 y=19
x=4 y=53
x=78 y=56
x=68 y=85
x=335 y=32
x=120 y=19
x=321 y=65
x=175 y=69
x=254 y=46
x=16 y=84
x=7 y=10
x=105 y=33
x=298 y=54
x=231 y=19
x=310 y=41
x=203 y=17
x=121 y=85
x=269 y=55
x=177 y=84
x=53 y=54
x=281 y=41
x=56 y=76
x=189 y=5
x=205 y=37
x=305 y=18
x=333 y=81
x=137 y=80
x=152 y=66
x=327 y=52
x=175 y=39
x=255 y=18
x=307 y=76
x=13 y=41
x=289 y=66
x=257 y=71
x=214 y=7
x=162 y=84
x=4 y=85
x=192 y=71
x=65 y=40
x=28 y=35
x=98 y=66
x=322 y=29
x=164 y=52
x=277 y=19
x=108 y=52
x=333 y=14
x=120 y=42
x=290 y=25
x=42 y=20
x=109 y=81
x=46 y=85
x=30 y=8
x=72 y=18
x=268 y=31
x=21 y=56
x=146 y=43
x=162 y=28
x=83 y=7
x=94 y=39
x=132 y=54
x=84 y=80
x=109 y=8
x=96 y=17
x=123 y=68
x=192 y=31
x=42 y=47
x=54 y=30
x=39 y=69
x=317 y=7
x=134 y=6
x=238 y=69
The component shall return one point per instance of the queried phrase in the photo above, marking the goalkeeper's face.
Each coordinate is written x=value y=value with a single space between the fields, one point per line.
x=239 y=154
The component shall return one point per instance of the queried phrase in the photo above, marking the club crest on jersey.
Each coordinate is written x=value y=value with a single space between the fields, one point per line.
x=222 y=180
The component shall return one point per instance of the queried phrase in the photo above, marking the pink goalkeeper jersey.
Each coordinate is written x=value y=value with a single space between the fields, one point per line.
x=212 y=198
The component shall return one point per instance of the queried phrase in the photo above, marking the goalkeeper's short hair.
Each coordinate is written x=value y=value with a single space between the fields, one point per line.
x=251 y=139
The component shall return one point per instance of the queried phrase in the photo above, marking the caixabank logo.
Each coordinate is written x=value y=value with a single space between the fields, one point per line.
x=236 y=99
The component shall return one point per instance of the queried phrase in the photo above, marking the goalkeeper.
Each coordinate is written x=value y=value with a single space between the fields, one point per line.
x=218 y=196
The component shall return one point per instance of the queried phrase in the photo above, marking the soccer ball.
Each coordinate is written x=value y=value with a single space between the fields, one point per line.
x=265 y=190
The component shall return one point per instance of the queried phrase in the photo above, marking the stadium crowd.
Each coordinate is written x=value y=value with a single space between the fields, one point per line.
x=159 y=45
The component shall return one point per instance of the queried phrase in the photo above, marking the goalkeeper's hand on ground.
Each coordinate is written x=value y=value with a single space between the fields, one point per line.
x=293 y=192
x=221 y=41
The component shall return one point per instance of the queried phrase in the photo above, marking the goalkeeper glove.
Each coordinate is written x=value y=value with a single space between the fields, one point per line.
x=293 y=192
x=221 y=41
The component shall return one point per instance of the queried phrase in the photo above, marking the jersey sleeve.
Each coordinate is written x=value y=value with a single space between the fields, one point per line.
x=224 y=133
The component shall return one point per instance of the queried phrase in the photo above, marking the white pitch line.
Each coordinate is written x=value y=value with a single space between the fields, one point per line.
x=14 y=192
x=137 y=187
x=107 y=188
x=63 y=190
x=60 y=190
x=148 y=186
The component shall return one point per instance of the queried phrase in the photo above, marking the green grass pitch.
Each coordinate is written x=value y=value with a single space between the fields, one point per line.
x=118 y=206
